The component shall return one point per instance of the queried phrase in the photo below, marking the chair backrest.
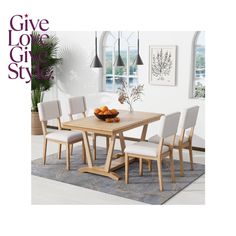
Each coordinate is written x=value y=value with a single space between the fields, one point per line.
x=189 y=117
x=49 y=110
x=169 y=125
x=77 y=105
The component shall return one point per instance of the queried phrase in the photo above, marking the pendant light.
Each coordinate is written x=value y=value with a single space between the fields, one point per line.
x=119 y=62
x=138 y=60
x=96 y=63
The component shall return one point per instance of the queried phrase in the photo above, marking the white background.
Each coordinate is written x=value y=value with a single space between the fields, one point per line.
x=217 y=18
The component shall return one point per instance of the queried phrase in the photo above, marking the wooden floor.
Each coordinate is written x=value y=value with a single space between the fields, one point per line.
x=45 y=191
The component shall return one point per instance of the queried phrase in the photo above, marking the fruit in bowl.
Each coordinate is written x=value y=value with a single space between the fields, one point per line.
x=104 y=113
x=104 y=108
x=111 y=120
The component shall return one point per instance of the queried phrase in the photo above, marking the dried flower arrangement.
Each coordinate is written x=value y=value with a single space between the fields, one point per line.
x=129 y=96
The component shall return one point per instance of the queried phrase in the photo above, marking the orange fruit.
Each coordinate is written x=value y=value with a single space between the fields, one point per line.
x=109 y=120
x=100 y=113
x=114 y=111
x=106 y=113
x=117 y=119
x=97 y=110
x=104 y=108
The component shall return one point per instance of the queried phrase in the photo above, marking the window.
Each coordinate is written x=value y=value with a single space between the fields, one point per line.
x=199 y=65
x=128 y=49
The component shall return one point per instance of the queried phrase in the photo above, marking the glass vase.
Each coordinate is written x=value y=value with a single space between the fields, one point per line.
x=131 y=109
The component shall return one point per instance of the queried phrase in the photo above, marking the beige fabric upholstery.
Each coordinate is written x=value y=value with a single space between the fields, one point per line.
x=77 y=105
x=189 y=117
x=167 y=141
x=145 y=149
x=169 y=125
x=65 y=136
x=49 y=110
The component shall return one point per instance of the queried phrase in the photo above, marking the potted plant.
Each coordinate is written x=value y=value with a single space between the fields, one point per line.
x=43 y=60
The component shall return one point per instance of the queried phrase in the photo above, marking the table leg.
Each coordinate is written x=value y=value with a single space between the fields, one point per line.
x=94 y=146
x=122 y=146
x=144 y=132
x=122 y=142
x=110 y=165
x=109 y=154
x=100 y=170
x=87 y=149
x=107 y=143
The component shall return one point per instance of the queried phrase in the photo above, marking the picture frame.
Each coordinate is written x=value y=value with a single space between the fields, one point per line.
x=162 y=65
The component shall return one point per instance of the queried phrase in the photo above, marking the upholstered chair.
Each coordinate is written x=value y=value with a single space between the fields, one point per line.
x=184 y=139
x=49 y=111
x=152 y=151
x=77 y=105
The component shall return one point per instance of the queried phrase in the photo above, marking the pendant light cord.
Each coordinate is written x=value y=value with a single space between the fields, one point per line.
x=118 y=42
x=138 y=42
x=96 y=42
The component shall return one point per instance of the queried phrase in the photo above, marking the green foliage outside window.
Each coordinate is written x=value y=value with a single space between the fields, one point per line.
x=199 y=90
x=113 y=75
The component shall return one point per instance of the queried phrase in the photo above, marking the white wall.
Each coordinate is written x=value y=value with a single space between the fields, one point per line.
x=75 y=77
x=167 y=99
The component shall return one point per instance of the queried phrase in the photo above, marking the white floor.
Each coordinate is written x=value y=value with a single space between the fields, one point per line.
x=45 y=191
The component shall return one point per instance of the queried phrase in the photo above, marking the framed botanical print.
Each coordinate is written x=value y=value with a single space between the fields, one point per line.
x=162 y=64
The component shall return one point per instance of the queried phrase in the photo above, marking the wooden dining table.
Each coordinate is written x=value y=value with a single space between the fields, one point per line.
x=91 y=124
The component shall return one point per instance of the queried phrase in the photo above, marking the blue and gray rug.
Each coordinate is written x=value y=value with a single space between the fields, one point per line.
x=141 y=188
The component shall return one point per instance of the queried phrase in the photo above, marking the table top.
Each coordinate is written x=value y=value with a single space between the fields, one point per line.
x=128 y=120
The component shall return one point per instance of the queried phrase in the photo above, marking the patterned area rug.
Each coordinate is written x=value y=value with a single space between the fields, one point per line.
x=141 y=188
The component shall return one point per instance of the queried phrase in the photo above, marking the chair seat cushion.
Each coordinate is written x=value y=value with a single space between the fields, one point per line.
x=65 y=136
x=145 y=149
x=167 y=141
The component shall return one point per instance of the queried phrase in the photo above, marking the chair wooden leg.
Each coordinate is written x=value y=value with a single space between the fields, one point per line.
x=68 y=156
x=83 y=153
x=126 y=168
x=94 y=147
x=159 y=168
x=140 y=166
x=181 y=167
x=71 y=149
x=107 y=143
x=191 y=156
x=45 y=151
x=59 y=151
x=172 y=167
x=149 y=163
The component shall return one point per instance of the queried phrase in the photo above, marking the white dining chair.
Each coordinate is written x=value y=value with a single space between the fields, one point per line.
x=184 y=139
x=77 y=105
x=49 y=111
x=152 y=151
